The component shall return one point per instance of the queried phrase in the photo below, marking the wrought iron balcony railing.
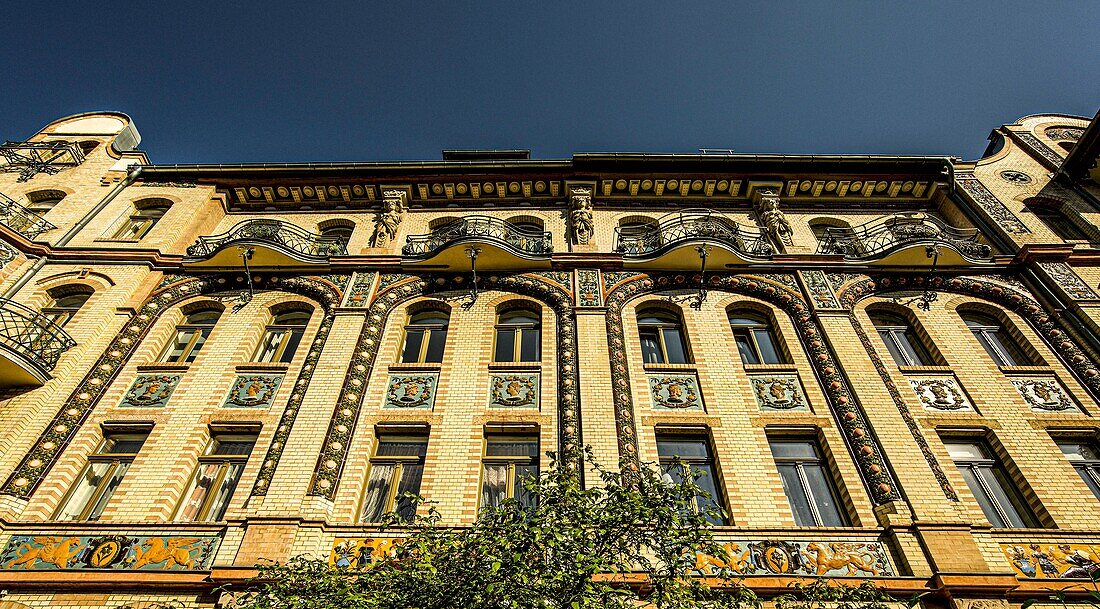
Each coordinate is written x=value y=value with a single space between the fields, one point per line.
x=883 y=235
x=691 y=225
x=22 y=220
x=33 y=335
x=524 y=241
x=277 y=233
x=32 y=158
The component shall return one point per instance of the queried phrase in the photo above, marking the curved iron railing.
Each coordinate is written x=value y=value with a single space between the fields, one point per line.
x=887 y=233
x=271 y=232
x=22 y=220
x=691 y=225
x=33 y=335
x=522 y=240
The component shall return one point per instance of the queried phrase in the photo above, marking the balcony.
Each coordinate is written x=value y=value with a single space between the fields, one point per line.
x=501 y=245
x=29 y=159
x=22 y=220
x=274 y=243
x=30 y=345
x=672 y=243
x=903 y=239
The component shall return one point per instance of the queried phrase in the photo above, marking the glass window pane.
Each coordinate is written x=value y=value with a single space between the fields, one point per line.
x=915 y=348
x=794 y=450
x=1014 y=353
x=651 y=348
x=122 y=445
x=413 y=340
x=108 y=490
x=1007 y=497
x=529 y=350
x=511 y=448
x=674 y=346
x=892 y=346
x=746 y=349
x=269 y=346
x=225 y=492
x=1091 y=476
x=494 y=489
x=768 y=351
x=84 y=490
x=200 y=340
x=1075 y=451
x=506 y=346
x=965 y=450
x=682 y=448
x=525 y=498
x=377 y=493
x=401 y=448
x=292 y=342
x=437 y=339
x=233 y=446
x=200 y=488
x=411 y=474
x=824 y=498
x=796 y=496
x=970 y=476
x=708 y=483
x=174 y=352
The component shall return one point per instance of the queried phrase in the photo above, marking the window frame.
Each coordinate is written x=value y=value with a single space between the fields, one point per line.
x=990 y=337
x=658 y=329
x=279 y=355
x=904 y=338
x=394 y=483
x=62 y=314
x=518 y=331
x=114 y=461
x=511 y=461
x=427 y=330
x=140 y=221
x=710 y=461
x=189 y=352
x=993 y=463
x=761 y=323
x=799 y=464
x=1056 y=220
x=224 y=462
x=1088 y=469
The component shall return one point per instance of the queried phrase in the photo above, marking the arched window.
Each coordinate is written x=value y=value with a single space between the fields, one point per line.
x=1055 y=218
x=66 y=301
x=282 y=336
x=144 y=216
x=425 y=337
x=835 y=237
x=662 y=336
x=190 y=336
x=901 y=339
x=518 y=336
x=87 y=146
x=755 y=341
x=636 y=225
x=337 y=230
x=42 y=201
x=995 y=339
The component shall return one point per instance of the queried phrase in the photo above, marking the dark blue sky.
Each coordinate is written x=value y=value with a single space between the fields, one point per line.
x=297 y=81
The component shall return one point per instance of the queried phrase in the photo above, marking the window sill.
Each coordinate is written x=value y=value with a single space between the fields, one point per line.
x=668 y=367
x=163 y=367
x=771 y=368
x=1027 y=369
x=515 y=366
x=263 y=367
x=925 y=369
x=414 y=367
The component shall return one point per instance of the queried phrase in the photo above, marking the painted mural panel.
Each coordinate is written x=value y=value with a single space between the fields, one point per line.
x=675 y=391
x=514 y=390
x=411 y=391
x=118 y=552
x=1051 y=560
x=253 y=391
x=150 y=391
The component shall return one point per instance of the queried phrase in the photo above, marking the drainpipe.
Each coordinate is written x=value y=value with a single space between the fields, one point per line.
x=131 y=175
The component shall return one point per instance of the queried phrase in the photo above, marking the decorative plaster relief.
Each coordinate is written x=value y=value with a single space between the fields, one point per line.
x=117 y=552
x=411 y=391
x=514 y=390
x=360 y=290
x=940 y=393
x=588 y=288
x=1064 y=276
x=1044 y=394
x=253 y=391
x=150 y=391
x=675 y=391
x=990 y=203
x=818 y=288
x=1039 y=147
x=1048 y=560
x=779 y=392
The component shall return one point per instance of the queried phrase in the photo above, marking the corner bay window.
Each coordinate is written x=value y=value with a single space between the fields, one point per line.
x=190 y=337
x=518 y=337
x=996 y=340
x=104 y=472
x=694 y=457
x=662 y=337
x=755 y=342
x=282 y=336
x=990 y=484
x=396 y=468
x=425 y=338
x=508 y=461
x=1085 y=458
x=806 y=481
x=216 y=478
x=901 y=340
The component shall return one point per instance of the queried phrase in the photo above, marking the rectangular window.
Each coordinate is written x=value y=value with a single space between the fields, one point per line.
x=104 y=472
x=396 y=468
x=694 y=455
x=1085 y=458
x=508 y=461
x=806 y=481
x=216 y=478
x=279 y=344
x=990 y=484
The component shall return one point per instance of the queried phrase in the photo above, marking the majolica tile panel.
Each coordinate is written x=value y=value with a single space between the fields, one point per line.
x=514 y=390
x=779 y=392
x=411 y=391
x=150 y=391
x=675 y=392
x=253 y=391
x=116 y=552
x=1053 y=560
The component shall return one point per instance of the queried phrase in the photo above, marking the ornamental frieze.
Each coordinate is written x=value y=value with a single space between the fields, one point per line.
x=940 y=393
x=1069 y=281
x=1000 y=214
x=778 y=392
x=1054 y=560
x=253 y=391
x=1044 y=394
x=150 y=391
x=411 y=391
x=821 y=293
x=588 y=288
x=91 y=389
x=675 y=392
x=514 y=390
x=116 y=552
x=783 y=557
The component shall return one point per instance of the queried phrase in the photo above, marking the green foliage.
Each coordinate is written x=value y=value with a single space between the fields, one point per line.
x=627 y=541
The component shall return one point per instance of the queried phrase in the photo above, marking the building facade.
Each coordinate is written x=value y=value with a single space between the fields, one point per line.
x=889 y=367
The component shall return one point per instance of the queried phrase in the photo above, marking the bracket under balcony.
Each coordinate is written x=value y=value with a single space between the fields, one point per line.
x=32 y=158
x=903 y=239
x=501 y=246
x=275 y=244
x=672 y=243
x=30 y=345
x=22 y=220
